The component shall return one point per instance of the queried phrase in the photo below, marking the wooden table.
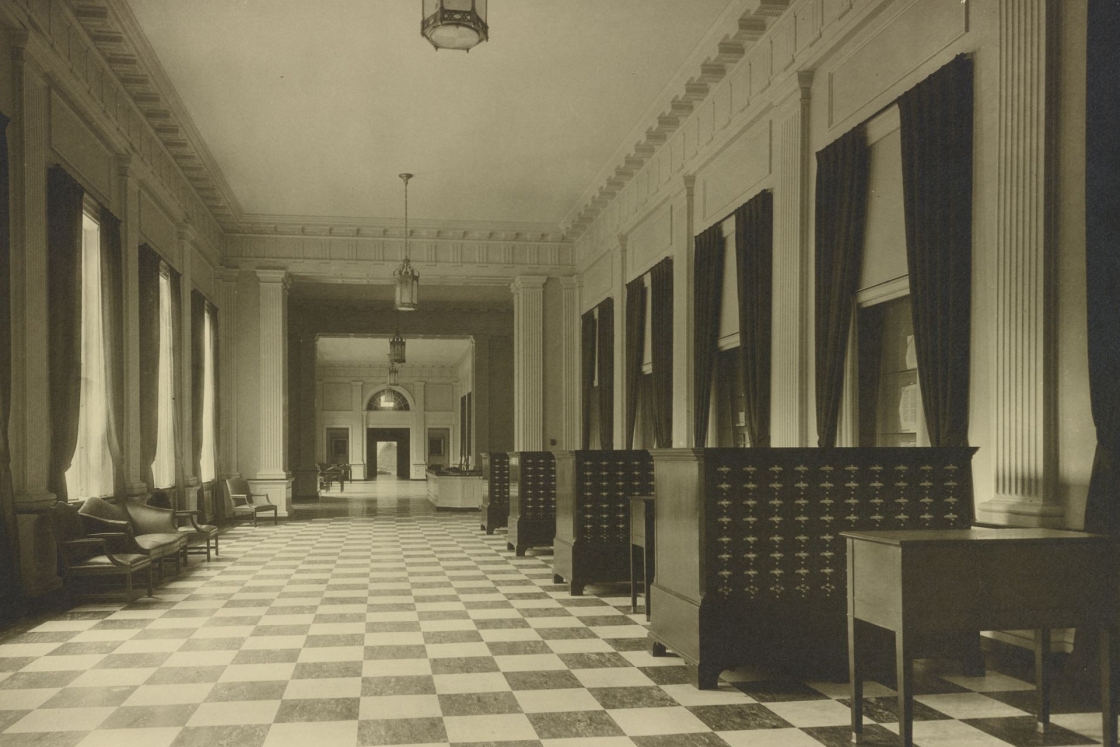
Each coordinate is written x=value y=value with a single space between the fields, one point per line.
x=924 y=583
x=641 y=548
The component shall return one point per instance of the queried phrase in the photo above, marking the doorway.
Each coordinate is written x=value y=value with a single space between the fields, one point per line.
x=438 y=451
x=387 y=453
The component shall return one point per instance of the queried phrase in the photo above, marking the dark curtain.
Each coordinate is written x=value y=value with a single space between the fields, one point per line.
x=936 y=130
x=1102 y=262
x=708 y=292
x=176 y=377
x=754 y=238
x=606 y=374
x=112 y=315
x=198 y=378
x=149 y=360
x=841 y=217
x=661 y=340
x=9 y=533
x=869 y=341
x=635 y=349
x=64 y=324
x=587 y=359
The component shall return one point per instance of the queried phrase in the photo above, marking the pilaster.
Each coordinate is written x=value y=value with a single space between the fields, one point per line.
x=528 y=362
x=790 y=398
x=619 y=294
x=358 y=429
x=226 y=280
x=272 y=475
x=684 y=314
x=129 y=187
x=419 y=436
x=570 y=329
x=1024 y=411
x=184 y=358
x=480 y=398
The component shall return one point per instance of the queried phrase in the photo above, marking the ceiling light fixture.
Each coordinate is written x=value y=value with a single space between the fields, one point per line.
x=406 y=277
x=396 y=348
x=393 y=380
x=455 y=24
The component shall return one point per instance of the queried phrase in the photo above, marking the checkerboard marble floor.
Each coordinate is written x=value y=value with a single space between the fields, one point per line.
x=396 y=625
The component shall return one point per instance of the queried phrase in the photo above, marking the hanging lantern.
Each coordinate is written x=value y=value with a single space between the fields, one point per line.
x=396 y=349
x=406 y=276
x=455 y=24
x=394 y=380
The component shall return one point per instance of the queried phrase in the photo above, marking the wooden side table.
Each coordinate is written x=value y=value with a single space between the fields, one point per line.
x=641 y=548
x=920 y=583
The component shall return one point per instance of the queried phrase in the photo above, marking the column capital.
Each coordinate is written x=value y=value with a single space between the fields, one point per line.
x=569 y=282
x=18 y=39
x=527 y=282
x=622 y=239
x=689 y=184
x=187 y=232
x=125 y=167
x=274 y=276
x=225 y=274
x=798 y=85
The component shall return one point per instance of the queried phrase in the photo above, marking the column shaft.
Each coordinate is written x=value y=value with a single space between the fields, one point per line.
x=130 y=266
x=570 y=329
x=528 y=362
x=683 y=315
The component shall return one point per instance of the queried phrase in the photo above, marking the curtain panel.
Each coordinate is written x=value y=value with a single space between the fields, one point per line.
x=64 y=324
x=707 y=294
x=754 y=238
x=177 y=379
x=198 y=379
x=841 y=219
x=661 y=340
x=215 y=349
x=9 y=534
x=587 y=373
x=936 y=131
x=635 y=348
x=148 y=282
x=606 y=374
x=112 y=312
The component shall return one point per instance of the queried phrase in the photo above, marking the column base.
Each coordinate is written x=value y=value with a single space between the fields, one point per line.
x=190 y=497
x=37 y=553
x=278 y=488
x=135 y=489
x=1019 y=512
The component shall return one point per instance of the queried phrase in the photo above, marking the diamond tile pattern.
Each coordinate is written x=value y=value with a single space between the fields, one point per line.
x=396 y=625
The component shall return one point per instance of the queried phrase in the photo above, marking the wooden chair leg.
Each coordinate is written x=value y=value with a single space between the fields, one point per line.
x=128 y=586
x=216 y=550
x=151 y=588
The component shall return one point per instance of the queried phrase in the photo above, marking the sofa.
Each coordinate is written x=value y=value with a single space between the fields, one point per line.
x=151 y=531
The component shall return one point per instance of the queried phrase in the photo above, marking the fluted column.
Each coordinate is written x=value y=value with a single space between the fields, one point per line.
x=619 y=293
x=184 y=360
x=1025 y=437
x=528 y=362
x=272 y=475
x=227 y=375
x=790 y=398
x=570 y=329
x=358 y=436
x=480 y=398
x=129 y=189
x=29 y=427
x=683 y=315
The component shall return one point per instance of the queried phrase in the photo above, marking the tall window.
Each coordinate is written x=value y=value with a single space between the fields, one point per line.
x=91 y=470
x=163 y=469
x=209 y=456
x=890 y=403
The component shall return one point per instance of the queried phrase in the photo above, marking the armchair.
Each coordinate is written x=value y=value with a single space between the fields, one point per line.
x=82 y=554
x=198 y=536
x=245 y=503
x=154 y=531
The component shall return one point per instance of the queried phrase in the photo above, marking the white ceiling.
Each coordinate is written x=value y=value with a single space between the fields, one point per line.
x=314 y=108
x=373 y=351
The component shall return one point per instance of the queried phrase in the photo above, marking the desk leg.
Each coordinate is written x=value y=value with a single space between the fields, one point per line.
x=905 y=671
x=633 y=579
x=855 y=681
x=1109 y=642
x=647 y=573
x=1042 y=676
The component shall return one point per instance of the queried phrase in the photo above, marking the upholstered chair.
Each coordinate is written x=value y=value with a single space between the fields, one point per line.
x=82 y=554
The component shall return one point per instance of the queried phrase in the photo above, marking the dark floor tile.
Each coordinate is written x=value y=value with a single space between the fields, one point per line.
x=518 y=648
x=603 y=621
x=232 y=621
x=594 y=661
x=398 y=685
x=477 y=704
x=395 y=652
x=502 y=623
x=464 y=665
x=873 y=735
x=15 y=663
x=267 y=656
x=133 y=661
x=330 y=618
x=222 y=736
x=317 y=709
x=36 y=680
x=427 y=615
x=739 y=717
x=560 y=679
x=628 y=644
x=401 y=731
x=88 y=697
x=263 y=630
x=189 y=611
x=1061 y=700
x=544 y=612
x=7 y=718
x=392 y=627
x=493 y=604
x=327 y=670
x=43 y=739
x=232 y=692
x=699 y=739
x=1022 y=731
x=167 y=634
x=518 y=743
x=212 y=644
x=574 y=725
x=452 y=636
x=184 y=675
x=123 y=623
x=142 y=717
x=332 y=641
x=88 y=647
x=569 y=634
x=581 y=602
x=632 y=697
x=884 y=710
x=776 y=691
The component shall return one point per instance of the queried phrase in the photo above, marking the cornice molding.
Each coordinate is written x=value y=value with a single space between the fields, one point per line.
x=393 y=228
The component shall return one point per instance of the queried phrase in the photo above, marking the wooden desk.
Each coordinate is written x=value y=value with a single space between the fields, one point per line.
x=924 y=583
x=641 y=547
